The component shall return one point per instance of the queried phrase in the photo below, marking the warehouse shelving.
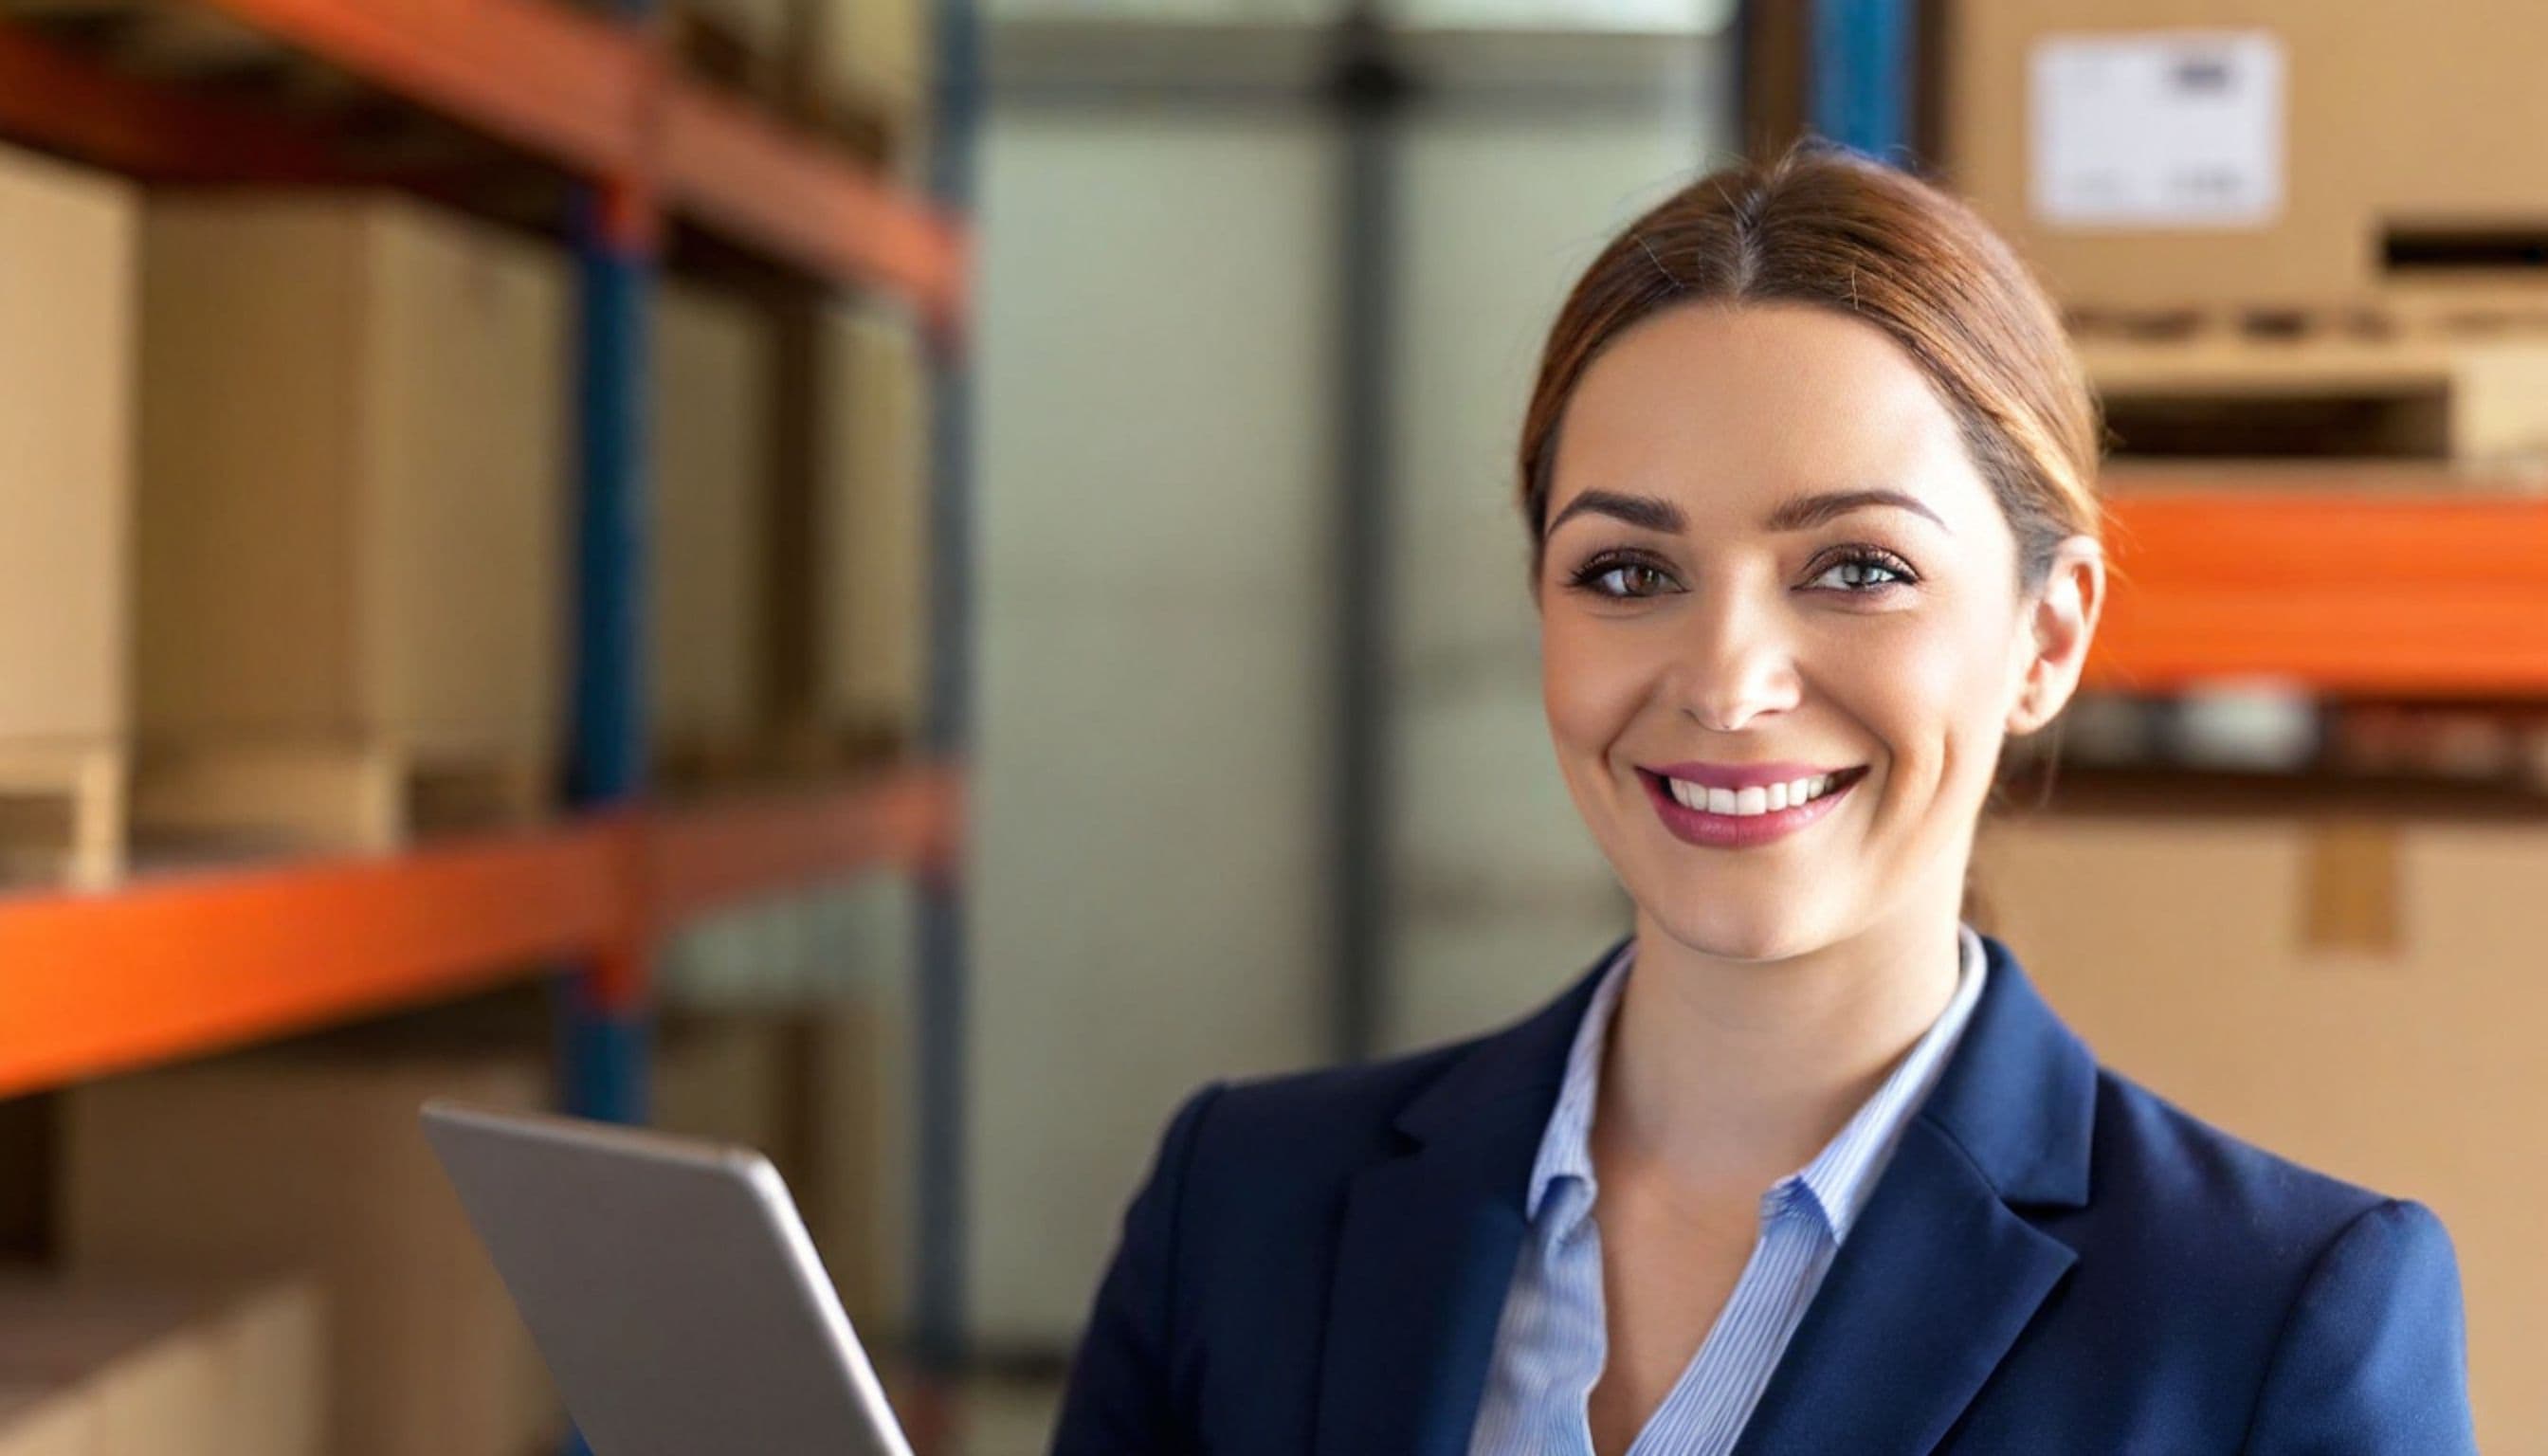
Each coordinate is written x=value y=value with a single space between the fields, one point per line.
x=188 y=964
x=2383 y=579
x=596 y=99
x=175 y=966
x=2431 y=590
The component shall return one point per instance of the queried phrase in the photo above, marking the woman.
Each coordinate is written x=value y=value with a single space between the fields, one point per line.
x=1804 y=1165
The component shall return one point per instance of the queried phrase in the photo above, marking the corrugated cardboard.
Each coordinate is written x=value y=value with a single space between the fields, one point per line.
x=2392 y=115
x=314 y=1155
x=46 y=1422
x=726 y=1077
x=68 y=241
x=857 y=1162
x=874 y=522
x=127 y=1368
x=353 y=475
x=279 y=1337
x=714 y=420
x=2360 y=993
x=877 y=52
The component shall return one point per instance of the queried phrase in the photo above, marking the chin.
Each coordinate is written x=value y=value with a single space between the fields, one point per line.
x=1735 y=927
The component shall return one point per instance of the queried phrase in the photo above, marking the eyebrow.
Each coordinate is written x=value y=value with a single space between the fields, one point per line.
x=1654 y=513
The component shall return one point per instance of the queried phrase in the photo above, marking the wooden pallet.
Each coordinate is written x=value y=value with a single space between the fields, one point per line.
x=2402 y=313
x=334 y=798
x=62 y=814
x=2475 y=398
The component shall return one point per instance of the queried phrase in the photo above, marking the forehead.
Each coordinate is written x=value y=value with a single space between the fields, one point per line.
x=1728 y=411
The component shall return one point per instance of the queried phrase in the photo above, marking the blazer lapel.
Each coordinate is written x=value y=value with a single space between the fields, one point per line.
x=1429 y=1236
x=1941 y=1274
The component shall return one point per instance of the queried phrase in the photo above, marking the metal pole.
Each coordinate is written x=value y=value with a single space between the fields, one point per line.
x=1370 y=90
x=940 y=1319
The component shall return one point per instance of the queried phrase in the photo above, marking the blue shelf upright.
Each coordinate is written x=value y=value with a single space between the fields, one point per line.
x=617 y=241
x=1864 y=52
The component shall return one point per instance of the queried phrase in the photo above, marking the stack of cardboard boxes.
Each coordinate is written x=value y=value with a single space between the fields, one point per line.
x=2291 y=229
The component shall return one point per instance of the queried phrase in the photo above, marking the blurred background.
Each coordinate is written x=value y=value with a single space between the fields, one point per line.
x=902 y=583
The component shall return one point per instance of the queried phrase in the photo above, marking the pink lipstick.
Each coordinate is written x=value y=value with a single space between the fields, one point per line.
x=1700 y=826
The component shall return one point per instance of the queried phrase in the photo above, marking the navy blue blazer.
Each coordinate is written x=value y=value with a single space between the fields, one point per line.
x=2055 y=1263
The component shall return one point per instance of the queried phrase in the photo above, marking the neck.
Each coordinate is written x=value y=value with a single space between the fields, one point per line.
x=1724 y=1076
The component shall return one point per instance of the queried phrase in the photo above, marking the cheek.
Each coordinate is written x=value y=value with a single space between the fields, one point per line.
x=1930 y=692
x=1592 y=681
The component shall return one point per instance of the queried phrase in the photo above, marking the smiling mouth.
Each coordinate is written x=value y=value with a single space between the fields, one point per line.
x=1733 y=819
x=1747 y=803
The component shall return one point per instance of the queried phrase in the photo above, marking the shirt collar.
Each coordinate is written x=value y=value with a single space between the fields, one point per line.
x=1841 y=1177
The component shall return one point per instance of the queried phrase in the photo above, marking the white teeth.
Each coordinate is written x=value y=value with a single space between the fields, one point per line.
x=1743 y=804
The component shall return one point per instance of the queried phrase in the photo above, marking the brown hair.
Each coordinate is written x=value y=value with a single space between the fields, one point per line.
x=1823 y=227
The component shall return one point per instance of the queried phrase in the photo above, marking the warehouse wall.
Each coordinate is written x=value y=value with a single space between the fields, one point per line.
x=1156 y=468
x=1151 y=770
x=1503 y=895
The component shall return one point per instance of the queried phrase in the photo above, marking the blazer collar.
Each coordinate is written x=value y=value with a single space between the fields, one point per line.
x=1943 y=1272
x=1932 y=1286
x=1426 y=1250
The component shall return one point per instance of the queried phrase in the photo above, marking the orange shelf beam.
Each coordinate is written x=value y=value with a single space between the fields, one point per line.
x=713 y=857
x=62 y=100
x=599 y=99
x=569 y=87
x=740 y=173
x=186 y=965
x=96 y=984
x=2388 y=595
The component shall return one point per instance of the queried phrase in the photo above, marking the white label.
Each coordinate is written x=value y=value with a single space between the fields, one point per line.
x=2177 y=129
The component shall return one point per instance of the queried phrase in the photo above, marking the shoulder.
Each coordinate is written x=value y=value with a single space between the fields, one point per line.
x=2353 y=1297
x=2336 y=1273
x=2157 y=1159
x=1331 y=1119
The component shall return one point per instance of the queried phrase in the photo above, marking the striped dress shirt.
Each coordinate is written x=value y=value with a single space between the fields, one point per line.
x=1552 y=1340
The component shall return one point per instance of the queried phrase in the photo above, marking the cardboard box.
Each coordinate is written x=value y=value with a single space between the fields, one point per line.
x=68 y=241
x=353 y=504
x=107 y=1368
x=2360 y=995
x=715 y=417
x=2165 y=154
x=873 y=524
x=46 y=1422
x=858 y=1165
x=312 y=1154
x=878 y=55
x=727 y=1077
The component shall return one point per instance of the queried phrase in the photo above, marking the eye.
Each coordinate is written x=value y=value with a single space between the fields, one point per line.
x=1622 y=577
x=1866 y=570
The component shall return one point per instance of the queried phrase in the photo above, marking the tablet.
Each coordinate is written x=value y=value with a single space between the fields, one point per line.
x=668 y=1284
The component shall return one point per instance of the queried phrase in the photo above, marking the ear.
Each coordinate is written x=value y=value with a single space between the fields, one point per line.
x=2057 y=625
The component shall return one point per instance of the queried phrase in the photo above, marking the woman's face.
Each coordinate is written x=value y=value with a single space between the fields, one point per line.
x=1770 y=559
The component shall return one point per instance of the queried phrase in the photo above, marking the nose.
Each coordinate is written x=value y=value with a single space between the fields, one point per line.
x=1737 y=663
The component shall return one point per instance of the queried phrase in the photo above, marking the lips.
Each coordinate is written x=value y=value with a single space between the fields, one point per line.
x=1742 y=830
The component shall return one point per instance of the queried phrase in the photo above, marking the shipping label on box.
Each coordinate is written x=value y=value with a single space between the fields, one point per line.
x=2172 y=129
